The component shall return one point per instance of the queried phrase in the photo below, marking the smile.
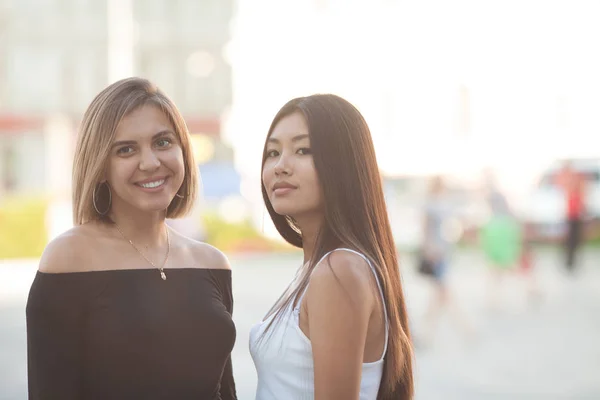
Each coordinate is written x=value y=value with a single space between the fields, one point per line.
x=153 y=184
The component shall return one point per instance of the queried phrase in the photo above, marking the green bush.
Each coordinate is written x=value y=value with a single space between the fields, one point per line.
x=23 y=232
x=237 y=237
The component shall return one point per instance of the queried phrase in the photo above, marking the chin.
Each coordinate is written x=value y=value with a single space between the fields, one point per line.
x=152 y=206
x=297 y=212
x=283 y=209
x=281 y=212
x=289 y=211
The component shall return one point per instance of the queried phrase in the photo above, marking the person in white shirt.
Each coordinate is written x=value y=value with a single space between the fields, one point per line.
x=340 y=330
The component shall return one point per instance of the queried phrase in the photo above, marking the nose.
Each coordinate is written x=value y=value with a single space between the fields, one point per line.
x=283 y=167
x=149 y=161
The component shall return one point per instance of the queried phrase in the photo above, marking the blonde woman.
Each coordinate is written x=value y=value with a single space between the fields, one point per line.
x=123 y=307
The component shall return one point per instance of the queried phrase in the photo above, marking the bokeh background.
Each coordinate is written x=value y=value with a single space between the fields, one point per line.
x=455 y=88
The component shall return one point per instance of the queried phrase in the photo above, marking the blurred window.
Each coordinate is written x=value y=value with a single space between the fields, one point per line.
x=34 y=74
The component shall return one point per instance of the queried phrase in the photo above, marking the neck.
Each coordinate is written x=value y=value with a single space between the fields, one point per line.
x=143 y=229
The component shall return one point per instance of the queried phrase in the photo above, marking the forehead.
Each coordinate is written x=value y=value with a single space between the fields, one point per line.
x=289 y=127
x=146 y=120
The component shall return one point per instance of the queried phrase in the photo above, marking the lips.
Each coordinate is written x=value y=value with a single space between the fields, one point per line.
x=283 y=188
x=283 y=185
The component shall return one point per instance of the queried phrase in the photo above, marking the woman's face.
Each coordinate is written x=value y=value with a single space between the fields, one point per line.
x=145 y=166
x=289 y=174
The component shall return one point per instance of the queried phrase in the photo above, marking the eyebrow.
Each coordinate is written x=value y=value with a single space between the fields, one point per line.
x=155 y=136
x=296 y=138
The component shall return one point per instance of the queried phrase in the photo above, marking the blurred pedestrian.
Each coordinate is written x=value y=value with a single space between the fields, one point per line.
x=500 y=239
x=434 y=261
x=573 y=186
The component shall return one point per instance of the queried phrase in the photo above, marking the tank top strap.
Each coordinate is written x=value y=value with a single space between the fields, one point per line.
x=299 y=303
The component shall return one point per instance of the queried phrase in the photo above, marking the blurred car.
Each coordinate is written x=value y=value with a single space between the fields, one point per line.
x=545 y=210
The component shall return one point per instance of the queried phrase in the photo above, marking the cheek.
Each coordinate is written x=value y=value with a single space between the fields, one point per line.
x=314 y=183
x=267 y=174
x=120 y=168
x=173 y=159
x=309 y=171
x=316 y=193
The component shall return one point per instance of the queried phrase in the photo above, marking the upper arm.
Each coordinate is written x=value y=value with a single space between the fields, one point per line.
x=213 y=259
x=227 y=389
x=54 y=315
x=339 y=304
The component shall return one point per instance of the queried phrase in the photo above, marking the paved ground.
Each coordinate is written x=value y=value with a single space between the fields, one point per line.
x=545 y=350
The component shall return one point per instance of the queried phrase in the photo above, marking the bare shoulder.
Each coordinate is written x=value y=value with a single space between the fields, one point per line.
x=344 y=272
x=67 y=252
x=203 y=254
x=345 y=265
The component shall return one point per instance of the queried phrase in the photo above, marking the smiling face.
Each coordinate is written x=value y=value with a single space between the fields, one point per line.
x=145 y=167
x=289 y=174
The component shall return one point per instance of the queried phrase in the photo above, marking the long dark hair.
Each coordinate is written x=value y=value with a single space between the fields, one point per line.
x=355 y=217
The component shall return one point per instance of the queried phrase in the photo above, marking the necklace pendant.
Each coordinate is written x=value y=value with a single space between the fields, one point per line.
x=163 y=276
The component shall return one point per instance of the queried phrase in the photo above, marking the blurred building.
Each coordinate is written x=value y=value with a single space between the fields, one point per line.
x=55 y=55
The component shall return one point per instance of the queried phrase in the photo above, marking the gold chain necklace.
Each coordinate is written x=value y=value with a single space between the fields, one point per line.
x=161 y=268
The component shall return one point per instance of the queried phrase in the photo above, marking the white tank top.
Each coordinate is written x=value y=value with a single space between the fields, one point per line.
x=283 y=357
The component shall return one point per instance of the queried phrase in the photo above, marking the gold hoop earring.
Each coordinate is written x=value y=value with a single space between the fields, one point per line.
x=181 y=196
x=182 y=186
x=109 y=199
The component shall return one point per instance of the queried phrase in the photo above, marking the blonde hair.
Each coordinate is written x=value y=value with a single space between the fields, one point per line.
x=96 y=135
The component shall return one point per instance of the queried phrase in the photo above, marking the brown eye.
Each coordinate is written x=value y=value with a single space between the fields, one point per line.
x=125 y=150
x=164 y=142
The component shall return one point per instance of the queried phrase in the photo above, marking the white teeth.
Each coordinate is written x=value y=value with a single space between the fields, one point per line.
x=150 y=185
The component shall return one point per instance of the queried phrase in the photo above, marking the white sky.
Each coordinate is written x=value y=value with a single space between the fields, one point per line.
x=532 y=69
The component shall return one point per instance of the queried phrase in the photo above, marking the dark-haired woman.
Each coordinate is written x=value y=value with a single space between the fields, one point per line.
x=340 y=330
